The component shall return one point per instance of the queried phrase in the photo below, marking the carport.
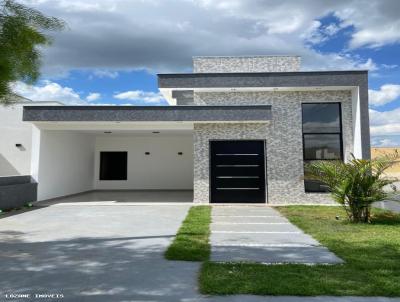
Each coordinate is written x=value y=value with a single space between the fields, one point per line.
x=113 y=163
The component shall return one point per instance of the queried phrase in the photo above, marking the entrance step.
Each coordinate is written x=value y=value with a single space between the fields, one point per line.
x=248 y=219
x=262 y=238
x=254 y=227
x=243 y=211
x=274 y=254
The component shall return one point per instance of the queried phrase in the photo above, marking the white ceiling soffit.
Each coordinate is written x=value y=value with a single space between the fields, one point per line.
x=105 y=126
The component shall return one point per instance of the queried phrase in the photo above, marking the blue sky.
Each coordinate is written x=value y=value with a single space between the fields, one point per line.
x=112 y=49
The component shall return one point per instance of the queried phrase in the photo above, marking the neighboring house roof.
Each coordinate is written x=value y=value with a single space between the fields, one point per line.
x=45 y=103
x=17 y=99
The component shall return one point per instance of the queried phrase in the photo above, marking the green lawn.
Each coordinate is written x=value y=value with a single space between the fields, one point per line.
x=191 y=242
x=371 y=252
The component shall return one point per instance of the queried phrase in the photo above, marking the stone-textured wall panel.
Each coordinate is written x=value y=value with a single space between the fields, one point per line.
x=246 y=64
x=283 y=136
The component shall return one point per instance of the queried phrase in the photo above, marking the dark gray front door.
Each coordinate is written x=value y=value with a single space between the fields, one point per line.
x=237 y=171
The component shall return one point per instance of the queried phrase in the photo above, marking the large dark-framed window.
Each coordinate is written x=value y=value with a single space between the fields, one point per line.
x=322 y=137
x=113 y=165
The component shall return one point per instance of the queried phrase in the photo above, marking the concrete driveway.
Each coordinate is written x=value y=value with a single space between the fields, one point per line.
x=95 y=253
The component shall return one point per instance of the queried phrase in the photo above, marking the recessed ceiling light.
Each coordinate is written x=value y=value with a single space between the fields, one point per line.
x=155 y=132
x=107 y=132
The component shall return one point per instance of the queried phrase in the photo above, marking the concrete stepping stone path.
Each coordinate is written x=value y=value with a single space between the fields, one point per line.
x=262 y=234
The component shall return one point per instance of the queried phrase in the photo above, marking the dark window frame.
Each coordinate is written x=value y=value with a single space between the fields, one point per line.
x=340 y=134
x=125 y=173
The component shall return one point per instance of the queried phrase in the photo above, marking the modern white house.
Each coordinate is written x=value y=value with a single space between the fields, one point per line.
x=238 y=129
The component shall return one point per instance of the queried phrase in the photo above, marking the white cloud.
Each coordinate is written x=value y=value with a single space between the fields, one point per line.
x=386 y=94
x=384 y=117
x=390 y=66
x=313 y=33
x=102 y=73
x=93 y=96
x=369 y=65
x=388 y=129
x=318 y=33
x=385 y=122
x=139 y=95
x=377 y=36
x=332 y=29
x=376 y=23
x=48 y=91
x=385 y=141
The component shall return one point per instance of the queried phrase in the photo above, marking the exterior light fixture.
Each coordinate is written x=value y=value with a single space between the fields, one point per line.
x=107 y=132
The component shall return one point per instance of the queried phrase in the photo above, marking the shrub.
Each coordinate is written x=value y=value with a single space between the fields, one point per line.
x=356 y=184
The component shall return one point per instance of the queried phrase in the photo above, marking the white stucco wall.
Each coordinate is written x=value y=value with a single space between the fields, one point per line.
x=63 y=163
x=162 y=169
x=13 y=160
x=357 y=141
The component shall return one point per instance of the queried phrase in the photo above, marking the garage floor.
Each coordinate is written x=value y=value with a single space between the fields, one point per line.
x=125 y=196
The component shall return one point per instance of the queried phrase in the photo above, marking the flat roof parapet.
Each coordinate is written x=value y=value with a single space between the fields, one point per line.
x=229 y=64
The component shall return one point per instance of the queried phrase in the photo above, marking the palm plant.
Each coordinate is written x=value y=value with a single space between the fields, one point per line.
x=356 y=184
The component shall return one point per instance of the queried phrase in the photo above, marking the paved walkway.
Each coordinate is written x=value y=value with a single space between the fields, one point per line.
x=262 y=234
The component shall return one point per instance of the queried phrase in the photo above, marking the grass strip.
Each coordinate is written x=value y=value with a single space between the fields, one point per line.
x=191 y=241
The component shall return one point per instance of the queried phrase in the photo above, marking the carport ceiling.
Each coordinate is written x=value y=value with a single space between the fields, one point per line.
x=152 y=132
x=119 y=127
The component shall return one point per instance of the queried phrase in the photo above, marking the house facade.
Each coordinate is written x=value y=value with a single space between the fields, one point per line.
x=238 y=129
